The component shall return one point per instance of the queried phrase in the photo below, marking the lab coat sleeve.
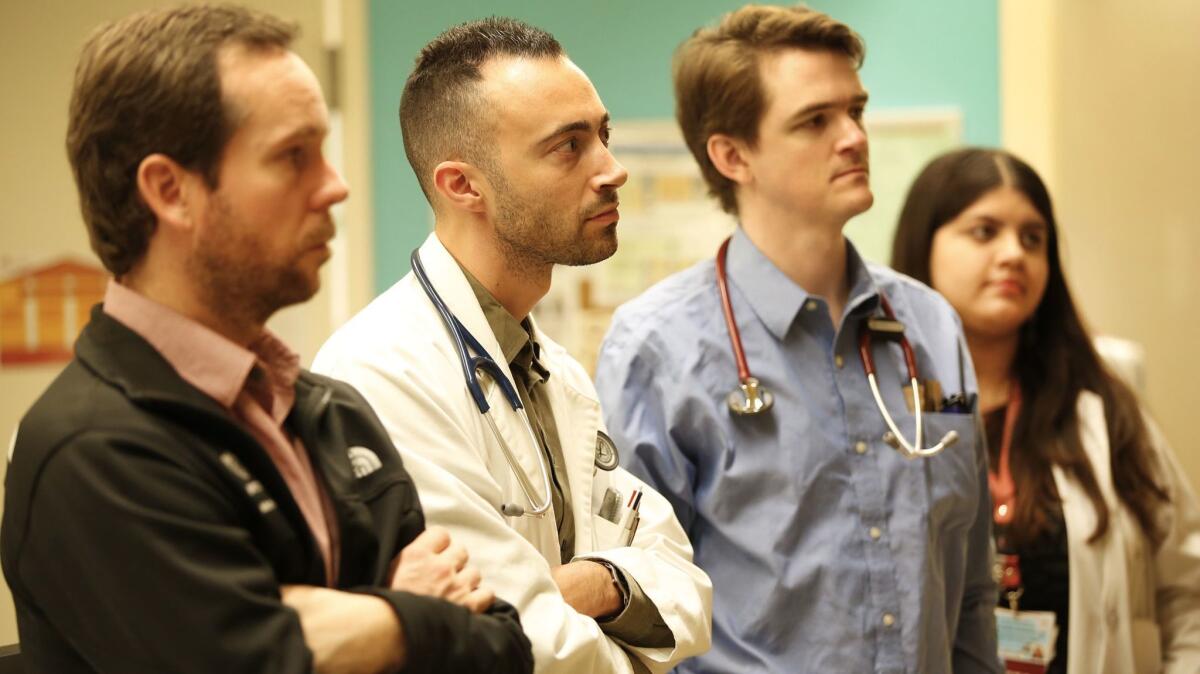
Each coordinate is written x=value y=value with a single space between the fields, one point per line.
x=1177 y=564
x=439 y=433
x=660 y=560
x=174 y=583
x=975 y=647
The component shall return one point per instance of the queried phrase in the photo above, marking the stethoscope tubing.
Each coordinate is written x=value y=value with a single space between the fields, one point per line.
x=865 y=343
x=464 y=340
x=735 y=335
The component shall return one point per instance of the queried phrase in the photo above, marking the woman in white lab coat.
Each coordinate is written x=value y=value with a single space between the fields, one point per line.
x=1095 y=520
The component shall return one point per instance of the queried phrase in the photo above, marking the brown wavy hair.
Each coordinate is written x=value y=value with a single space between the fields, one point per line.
x=1055 y=358
x=718 y=88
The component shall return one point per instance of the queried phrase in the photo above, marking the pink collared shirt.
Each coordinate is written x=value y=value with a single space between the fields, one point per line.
x=255 y=386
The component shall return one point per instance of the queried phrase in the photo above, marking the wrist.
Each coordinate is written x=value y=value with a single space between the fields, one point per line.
x=616 y=591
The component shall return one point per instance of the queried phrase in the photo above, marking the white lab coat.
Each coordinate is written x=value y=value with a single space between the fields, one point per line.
x=1134 y=610
x=398 y=353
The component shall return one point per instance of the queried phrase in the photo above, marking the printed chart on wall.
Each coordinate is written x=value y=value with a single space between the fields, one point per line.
x=668 y=221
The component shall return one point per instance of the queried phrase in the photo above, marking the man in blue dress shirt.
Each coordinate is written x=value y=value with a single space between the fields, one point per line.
x=829 y=550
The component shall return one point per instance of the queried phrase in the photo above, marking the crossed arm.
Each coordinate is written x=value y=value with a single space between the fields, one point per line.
x=352 y=633
x=120 y=531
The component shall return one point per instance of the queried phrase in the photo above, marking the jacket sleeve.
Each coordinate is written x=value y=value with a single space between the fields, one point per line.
x=436 y=429
x=444 y=637
x=145 y=567
x=1177 y=564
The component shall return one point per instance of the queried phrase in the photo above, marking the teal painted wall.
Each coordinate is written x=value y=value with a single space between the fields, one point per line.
x=919 y=53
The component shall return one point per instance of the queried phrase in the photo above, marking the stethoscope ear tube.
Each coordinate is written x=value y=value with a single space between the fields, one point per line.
x=452 y=327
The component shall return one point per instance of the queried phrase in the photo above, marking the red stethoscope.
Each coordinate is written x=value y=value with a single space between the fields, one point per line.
x=751 y=397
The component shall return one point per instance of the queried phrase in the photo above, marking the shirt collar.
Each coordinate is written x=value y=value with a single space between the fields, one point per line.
x=216 y=366
x=777 y=299
x=515 y=337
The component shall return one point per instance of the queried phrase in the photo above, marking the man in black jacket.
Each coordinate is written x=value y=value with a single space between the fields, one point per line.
x=184 y=498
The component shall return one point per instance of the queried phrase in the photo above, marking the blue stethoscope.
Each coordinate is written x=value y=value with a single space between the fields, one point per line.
x=464 y=343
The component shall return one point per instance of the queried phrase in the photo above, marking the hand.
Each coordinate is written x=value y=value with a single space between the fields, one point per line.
x=347 y=633
x=587 y=587
x=435 y=567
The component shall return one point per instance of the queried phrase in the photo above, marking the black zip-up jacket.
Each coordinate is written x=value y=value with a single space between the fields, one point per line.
x=145 y=531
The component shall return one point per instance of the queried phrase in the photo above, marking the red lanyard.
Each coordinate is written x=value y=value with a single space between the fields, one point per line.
x=1001 y=482
x=1004 y=495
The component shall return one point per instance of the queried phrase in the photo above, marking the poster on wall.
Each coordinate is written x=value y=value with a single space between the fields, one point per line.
x=43 y=306
x=669 y=222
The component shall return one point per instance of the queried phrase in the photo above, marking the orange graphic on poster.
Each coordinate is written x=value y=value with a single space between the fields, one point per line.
x=43 y=309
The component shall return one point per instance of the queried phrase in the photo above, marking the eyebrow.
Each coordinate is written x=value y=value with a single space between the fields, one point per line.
x=578 y=125
x=304 y=132
x=860 y=99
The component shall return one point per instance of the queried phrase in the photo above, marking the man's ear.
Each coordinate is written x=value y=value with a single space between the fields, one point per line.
x=728 y=155
x=166 y=186
x=459 y=184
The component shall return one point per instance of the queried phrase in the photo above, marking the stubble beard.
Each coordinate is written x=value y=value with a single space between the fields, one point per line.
x=532 y=240
x=233 y=282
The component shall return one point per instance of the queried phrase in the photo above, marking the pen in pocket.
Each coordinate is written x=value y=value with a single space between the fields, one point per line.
x=629 y=523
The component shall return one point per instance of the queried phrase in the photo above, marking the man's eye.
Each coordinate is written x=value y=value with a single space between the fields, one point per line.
x=295 y=155
x=570 y=145
x=814 y=122
x=605 y=135
x=856 y=113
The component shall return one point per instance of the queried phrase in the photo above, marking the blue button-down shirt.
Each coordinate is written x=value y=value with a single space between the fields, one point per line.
x=828 y=550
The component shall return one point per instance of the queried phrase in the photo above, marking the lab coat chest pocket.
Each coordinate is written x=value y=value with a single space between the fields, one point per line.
x=952 y=481
x=606 y=533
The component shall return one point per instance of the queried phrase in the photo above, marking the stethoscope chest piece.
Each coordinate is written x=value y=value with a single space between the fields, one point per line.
x=607 y=457
x=750 y=397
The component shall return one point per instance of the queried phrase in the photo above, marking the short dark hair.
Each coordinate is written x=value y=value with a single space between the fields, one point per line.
x=717 y=84
x=145 y=84
x=441 y=114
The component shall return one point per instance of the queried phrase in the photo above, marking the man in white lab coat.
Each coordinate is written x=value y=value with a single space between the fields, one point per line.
x=509 y=141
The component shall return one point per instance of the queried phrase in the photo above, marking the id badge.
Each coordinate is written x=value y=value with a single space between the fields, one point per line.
x=1026 y=640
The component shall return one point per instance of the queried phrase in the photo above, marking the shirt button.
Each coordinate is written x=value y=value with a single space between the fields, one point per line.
x=888 y=620
x=811 y=305
x=875 y=533
x=838 y=361
x=860 y=447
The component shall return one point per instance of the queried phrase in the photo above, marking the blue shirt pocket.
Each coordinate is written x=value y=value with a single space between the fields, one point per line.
x=952 y=483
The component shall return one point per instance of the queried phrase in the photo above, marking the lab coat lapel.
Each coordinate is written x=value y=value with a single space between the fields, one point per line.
x=577 y=416
x=447 y=277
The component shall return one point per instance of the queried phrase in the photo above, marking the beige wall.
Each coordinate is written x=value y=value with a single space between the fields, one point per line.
x=1102 y=96
x=39 y=43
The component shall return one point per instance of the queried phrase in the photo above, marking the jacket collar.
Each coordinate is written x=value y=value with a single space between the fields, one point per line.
x=122 y=358
x=125 y=360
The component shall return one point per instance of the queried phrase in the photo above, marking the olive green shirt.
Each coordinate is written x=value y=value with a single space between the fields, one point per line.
x=639 y=623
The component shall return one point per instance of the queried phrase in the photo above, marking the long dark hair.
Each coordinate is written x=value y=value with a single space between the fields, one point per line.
x=1055 y=358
